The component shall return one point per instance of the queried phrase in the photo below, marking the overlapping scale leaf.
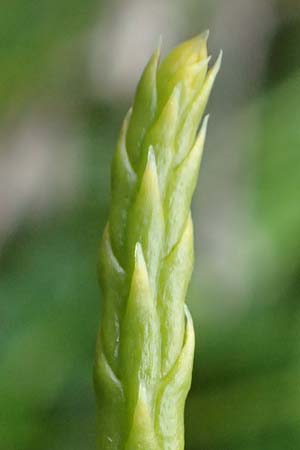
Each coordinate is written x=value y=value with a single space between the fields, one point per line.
x=161 y=138
x=173 y=283
x=123 y=182
x=144 y=109
x=112 y=407
x=173 y=390
x=180 y=191
x=140 y=340
x=146 y=221
x=114 y=287
x=142 y=433
x=176 y=67
x=193 y=114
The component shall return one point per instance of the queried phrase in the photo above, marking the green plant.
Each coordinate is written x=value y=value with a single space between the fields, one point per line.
x=145 y=345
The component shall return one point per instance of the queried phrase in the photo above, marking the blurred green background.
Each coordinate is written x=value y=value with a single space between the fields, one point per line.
x=67 y=75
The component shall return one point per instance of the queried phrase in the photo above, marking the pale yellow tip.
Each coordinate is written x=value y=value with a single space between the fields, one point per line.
x=219 y=61
x=204 y=125
x=204 y=35
x=151 y=163
x=138 y=252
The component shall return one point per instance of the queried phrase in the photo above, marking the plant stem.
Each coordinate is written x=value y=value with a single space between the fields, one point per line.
x=145 y=345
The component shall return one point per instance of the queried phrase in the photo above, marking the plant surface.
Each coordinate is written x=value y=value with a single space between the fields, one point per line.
x=145 y=346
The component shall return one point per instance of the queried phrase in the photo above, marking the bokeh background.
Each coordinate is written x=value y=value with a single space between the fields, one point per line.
x=67 y=75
